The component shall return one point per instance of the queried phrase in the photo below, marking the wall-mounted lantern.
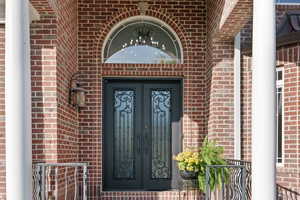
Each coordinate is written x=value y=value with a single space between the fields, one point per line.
x=76 y=93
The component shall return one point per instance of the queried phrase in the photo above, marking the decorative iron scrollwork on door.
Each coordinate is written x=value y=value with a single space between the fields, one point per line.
x=161 y=134
x=124 y=111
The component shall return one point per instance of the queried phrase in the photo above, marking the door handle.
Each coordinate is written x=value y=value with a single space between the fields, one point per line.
x=148 y=142
x=139 y=144
x=147 y=147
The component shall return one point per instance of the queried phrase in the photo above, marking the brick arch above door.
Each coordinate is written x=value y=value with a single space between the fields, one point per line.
x=172 y=22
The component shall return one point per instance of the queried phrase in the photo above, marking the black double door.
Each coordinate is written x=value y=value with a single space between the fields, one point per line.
x=141 y=134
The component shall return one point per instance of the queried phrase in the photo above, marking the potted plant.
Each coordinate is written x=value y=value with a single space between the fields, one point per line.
x=188 y=164
x=193 y=164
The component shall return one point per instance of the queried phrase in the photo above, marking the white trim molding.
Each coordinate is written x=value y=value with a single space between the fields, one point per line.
x=237 y=97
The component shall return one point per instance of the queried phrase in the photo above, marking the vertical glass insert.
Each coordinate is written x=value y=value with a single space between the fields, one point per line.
x=279 y=125
x=161 y=134
x=123 y=131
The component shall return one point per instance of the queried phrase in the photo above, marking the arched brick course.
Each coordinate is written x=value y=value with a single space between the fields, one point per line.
x=123 y=15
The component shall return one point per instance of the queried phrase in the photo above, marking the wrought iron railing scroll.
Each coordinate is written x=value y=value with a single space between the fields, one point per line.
x=60 y=181
x=233 y=182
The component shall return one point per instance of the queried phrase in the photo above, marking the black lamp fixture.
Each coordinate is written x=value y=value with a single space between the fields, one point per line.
x=76 y=92
x=144 y=34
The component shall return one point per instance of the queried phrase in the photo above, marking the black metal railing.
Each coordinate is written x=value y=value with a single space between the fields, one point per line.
x=248 y=170
x=237 y=186
x=233 y=182
x=284 y=193
x=60 y=181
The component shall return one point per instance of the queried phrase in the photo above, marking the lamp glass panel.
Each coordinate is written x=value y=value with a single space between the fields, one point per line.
x=80 y=98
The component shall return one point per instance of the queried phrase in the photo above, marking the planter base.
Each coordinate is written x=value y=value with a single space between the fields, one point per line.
x=188 y=175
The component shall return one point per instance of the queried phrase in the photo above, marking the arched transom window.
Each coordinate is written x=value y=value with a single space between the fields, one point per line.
x=142 y=41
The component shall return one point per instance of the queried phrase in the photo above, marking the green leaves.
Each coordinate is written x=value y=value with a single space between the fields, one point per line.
x=211 y=154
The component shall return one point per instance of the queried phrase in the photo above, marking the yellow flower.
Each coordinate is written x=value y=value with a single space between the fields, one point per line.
x=188 y=160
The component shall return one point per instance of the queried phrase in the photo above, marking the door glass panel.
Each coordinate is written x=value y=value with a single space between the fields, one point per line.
x=124 y=112
x=161 y=134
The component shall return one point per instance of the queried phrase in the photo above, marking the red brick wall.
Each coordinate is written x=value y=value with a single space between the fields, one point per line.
x=53 y=62
x=44 y=96
x=188 y=19
x=289 y=174
x=67 y=65
x=220 y=95
x=2 y=113
x=225 y=18
x=287 y=57
x=219 y=79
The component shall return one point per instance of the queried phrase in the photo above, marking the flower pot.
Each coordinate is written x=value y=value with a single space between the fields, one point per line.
x=188 y=175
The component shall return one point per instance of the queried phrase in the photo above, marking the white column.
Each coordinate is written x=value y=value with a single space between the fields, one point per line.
x=263 y=100
x=18 y=101
x=237 y=97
